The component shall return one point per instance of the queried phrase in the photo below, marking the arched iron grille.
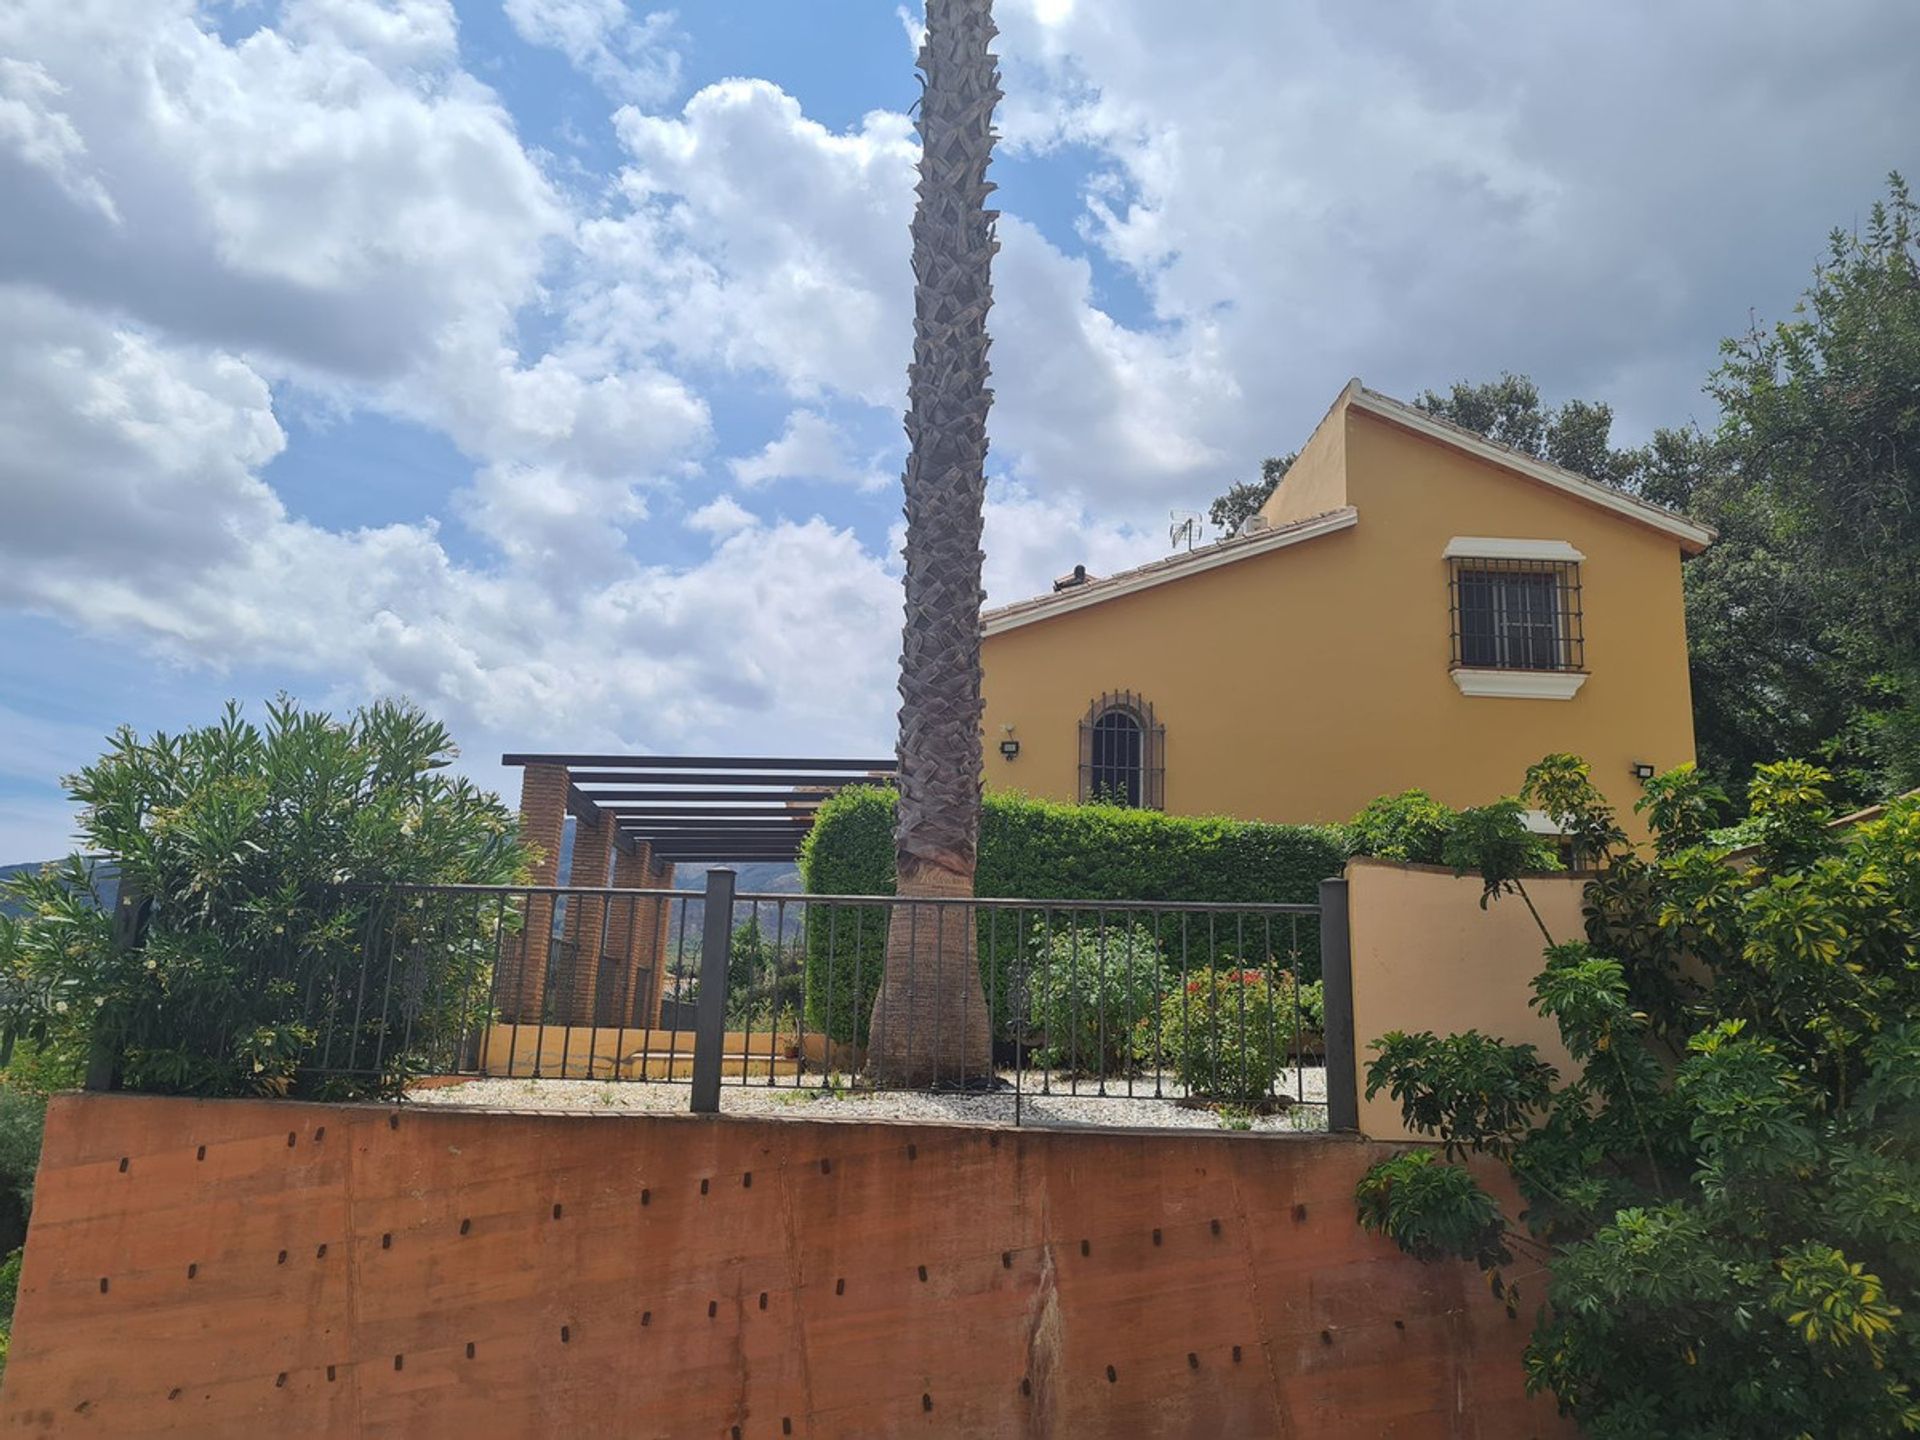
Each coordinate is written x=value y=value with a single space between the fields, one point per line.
x=1123 y=752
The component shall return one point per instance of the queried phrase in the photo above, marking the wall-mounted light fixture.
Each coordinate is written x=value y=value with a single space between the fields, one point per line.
x=1010 y=749
x=1642 y=771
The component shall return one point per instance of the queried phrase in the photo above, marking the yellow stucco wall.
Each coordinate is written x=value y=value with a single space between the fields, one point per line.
x=1299 y=684
x=1317 y=480
x=1427 y=957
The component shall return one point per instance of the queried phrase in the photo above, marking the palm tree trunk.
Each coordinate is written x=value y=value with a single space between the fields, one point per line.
x=930 y=1024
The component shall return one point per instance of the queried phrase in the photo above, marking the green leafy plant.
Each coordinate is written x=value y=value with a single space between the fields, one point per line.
x=763 y=977
x=9 y=1294
x=1726 y=1188
x=1088 y=987
x=1039 y=849
x=1228 y=1033
x=263 y=857
x=1411 y=828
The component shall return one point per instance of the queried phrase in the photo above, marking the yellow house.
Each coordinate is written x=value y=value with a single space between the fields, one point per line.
x=1414 y=606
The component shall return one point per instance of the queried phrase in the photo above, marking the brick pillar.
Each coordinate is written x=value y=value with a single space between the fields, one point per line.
x=587 y=917
x=520 y=987
x=631 y=918
x=663 y=921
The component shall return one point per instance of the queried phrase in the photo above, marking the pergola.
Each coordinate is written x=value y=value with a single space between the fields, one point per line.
x=636 y=817
x=704 y=808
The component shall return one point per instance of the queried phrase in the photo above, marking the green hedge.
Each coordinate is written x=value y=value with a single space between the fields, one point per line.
x=1042 y=850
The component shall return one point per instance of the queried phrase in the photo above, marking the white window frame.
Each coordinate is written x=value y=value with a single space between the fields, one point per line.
x=1503 y=684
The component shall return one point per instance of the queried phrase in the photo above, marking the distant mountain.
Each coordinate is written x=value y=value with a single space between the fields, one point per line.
x=7 y=872
x=754 y=878
x=105 y=880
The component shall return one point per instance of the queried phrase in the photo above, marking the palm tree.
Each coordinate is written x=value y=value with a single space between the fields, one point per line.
x=930 y=1017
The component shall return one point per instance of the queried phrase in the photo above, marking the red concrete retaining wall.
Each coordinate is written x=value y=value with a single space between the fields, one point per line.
x=246 y=1268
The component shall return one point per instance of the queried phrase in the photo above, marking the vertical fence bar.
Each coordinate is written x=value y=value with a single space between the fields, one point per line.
x=710 y=1022
x=1336 y=976
x=485 y=1021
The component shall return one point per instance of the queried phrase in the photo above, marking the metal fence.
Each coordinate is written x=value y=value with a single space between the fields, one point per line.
x=1195 y=1005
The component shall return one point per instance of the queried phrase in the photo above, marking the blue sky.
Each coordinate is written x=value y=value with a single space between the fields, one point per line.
x=542 y=360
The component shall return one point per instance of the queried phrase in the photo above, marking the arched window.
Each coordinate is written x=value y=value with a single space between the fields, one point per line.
x=1121 y=753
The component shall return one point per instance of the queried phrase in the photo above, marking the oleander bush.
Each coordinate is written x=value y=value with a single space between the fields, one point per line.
x=1725 y=1190
x=245 y=978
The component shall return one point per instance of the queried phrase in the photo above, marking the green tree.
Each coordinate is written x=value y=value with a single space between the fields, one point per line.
x=240 y=839
x=1230 y=511
x=1726 y=1193
x=1820 y=452
x=930 y=1016
x=1576 y=436
x=764 y=976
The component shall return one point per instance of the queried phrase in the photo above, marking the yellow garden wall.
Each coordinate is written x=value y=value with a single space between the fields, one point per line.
x=1425 y=956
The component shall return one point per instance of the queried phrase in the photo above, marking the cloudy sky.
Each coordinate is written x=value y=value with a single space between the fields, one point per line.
x=542 y=360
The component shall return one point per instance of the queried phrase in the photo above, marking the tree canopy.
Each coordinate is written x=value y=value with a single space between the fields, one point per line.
x=1230 y=511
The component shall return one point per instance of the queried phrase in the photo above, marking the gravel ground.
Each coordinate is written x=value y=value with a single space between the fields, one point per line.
x=1060 y=1110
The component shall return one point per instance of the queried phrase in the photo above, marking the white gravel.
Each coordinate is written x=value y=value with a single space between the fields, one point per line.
x=806 y=1100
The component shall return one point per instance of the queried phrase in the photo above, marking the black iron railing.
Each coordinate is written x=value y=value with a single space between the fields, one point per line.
x=1214 y=1005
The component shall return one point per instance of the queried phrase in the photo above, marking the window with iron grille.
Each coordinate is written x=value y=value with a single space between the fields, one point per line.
x=1517 y=615
x=1122 y=750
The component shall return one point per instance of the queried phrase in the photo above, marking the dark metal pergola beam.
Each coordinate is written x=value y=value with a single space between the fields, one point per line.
x=705 y=808
x=664 y=838
x=792 y=797
x=720 y=777
x=742 y=848
x=696 y=762
x=676 y=812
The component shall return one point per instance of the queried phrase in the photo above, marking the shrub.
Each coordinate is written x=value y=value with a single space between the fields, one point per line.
x=1228 y=1033
x=1726 y=1193
x=23 y=1115
x=1411 y=827
x=1089 y=989
x=1042 y=849
x=241 y=838
x=9 y=1295
x=763 y=976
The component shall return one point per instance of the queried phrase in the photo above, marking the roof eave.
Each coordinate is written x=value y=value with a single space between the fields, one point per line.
x=1046 y=607
x=1692 y=536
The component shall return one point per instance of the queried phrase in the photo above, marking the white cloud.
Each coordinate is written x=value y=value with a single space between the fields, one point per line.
x=811 y=447
x=131 y=471
x=40 y=134
x=632 y=59
x=761 y=241
x=312 y=196
x=390 y=32
x=721 y=516
x=1030 y=540
x=128 y=466
x=1596 y=195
